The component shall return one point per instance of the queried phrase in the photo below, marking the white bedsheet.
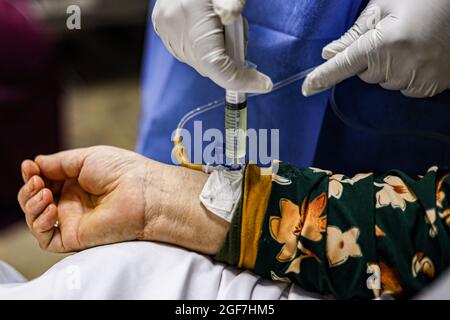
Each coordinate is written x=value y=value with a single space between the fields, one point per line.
x=142 y=270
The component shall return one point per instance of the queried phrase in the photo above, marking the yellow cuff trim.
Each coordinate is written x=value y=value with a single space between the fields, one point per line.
x=257 y=187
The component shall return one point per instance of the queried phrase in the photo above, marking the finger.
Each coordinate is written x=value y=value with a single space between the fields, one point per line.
x=421 y=91
x=352 y=61
x=33 y=186
x=418 y=89
x=43 y=226
x=367 y=21
x=36 y=205
x=221 y=69
x=228 y=10
x=29 y=168
x=172 y=49
x=164 y=17
x=394 y=84
x=62 y=165
x=247 y=80
x=379 y=67
x=154 y=16
x=209 y=57
x=373 y=75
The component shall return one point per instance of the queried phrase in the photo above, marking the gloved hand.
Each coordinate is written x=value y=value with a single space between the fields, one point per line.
x=402 y=45
x=192 y=30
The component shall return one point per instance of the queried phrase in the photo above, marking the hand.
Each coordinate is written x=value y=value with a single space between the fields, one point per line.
x=401 y=45
x=102 y=195
x=192 y=30
x=97 y=195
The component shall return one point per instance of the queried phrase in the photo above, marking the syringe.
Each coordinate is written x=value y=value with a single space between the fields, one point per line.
x=235 y=101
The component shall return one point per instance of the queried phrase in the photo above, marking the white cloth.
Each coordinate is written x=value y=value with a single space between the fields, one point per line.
x=9 y=275
x=143 y=270
x=222 y=193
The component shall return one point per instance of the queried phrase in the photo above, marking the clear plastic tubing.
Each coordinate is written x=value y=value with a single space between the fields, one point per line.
x=334 y=107
x=221 y=102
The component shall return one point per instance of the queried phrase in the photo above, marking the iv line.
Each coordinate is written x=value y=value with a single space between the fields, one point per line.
x=220 y=102
x=181 y=155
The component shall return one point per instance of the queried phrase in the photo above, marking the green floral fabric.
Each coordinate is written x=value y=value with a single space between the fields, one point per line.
x=357 y=237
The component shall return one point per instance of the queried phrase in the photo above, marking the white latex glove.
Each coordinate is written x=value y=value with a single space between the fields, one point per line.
x=192 y=30
x=400 y=44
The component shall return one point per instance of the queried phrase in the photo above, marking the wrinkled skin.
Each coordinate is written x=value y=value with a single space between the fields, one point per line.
x=96 y=194
x=103 y=195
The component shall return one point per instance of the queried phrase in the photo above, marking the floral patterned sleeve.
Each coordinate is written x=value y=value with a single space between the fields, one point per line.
x=358 y=237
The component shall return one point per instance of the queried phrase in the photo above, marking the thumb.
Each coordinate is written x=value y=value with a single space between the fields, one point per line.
x=348 y=63
x=252 y=81
x=367 y=21
x=220 y=68
x=225 y=73
x=62 y=165
x=228 y=10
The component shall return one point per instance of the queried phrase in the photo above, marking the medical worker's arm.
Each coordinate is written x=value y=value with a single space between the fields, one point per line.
x=103 y=195
x=193 y=32
x=402 y=45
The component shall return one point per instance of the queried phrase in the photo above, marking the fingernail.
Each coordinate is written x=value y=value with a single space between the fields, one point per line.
x=268 y=84
x=253 y=81
x=312 y=85
x=305 y=91
x=307 y=87
x=328 y=53
x=265 y=84
x=31 y=185
x=38 y=158
x=46 y=210
x=40 y=195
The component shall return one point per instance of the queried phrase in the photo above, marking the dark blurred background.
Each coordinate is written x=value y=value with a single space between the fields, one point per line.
x=61 y=89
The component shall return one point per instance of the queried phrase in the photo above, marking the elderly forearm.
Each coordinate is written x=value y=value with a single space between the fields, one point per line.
x=174 y=213
x=324 y=232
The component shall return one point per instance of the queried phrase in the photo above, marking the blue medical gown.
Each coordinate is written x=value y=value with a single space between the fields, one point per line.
x=285 y=37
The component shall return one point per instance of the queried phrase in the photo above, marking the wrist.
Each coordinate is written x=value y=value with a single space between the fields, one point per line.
x=173 y=212
x=152 y=201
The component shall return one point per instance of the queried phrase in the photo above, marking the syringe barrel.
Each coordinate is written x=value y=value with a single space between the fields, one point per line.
x=235 y=132
x=235 y=102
